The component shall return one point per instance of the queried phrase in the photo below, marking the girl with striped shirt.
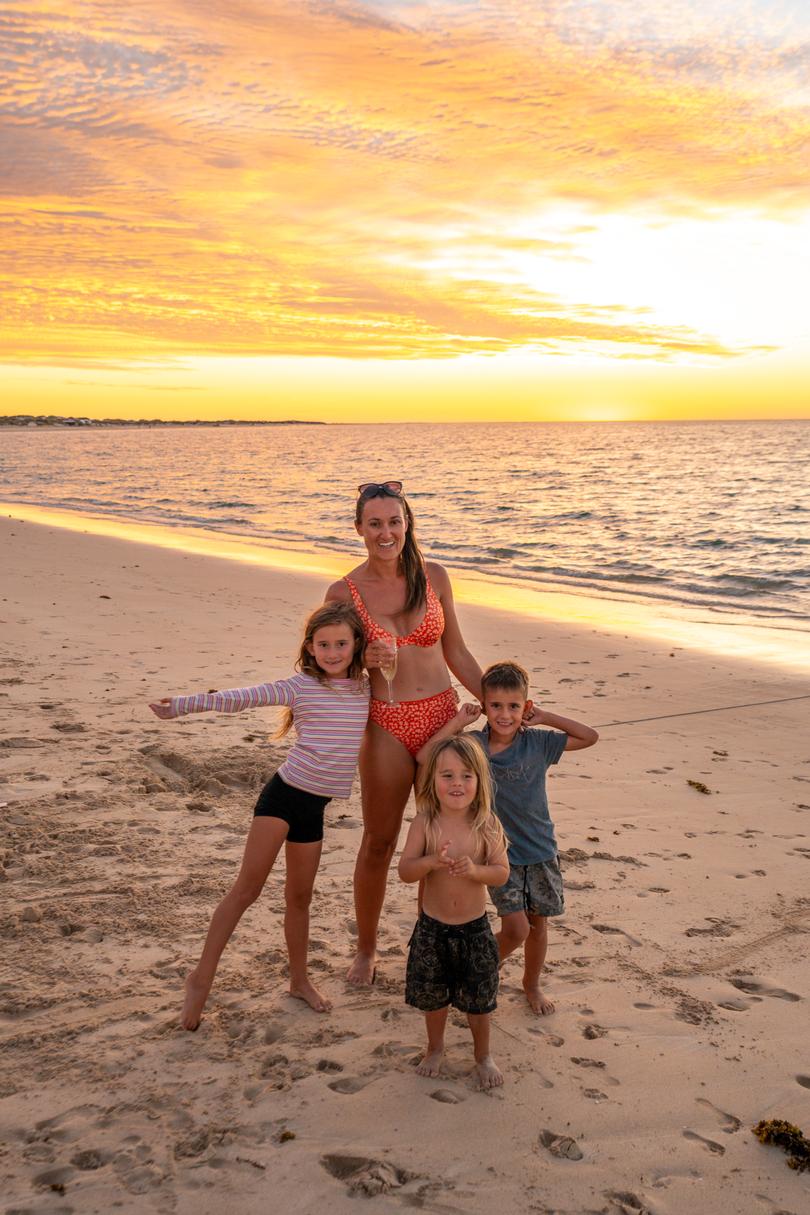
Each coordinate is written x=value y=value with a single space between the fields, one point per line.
x=328 y=704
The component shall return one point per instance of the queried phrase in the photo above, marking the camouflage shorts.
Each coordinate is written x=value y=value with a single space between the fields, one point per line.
x=536 y=889
x=452 y=964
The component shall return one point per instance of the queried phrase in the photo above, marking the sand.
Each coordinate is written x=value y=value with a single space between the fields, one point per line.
x=679 y=969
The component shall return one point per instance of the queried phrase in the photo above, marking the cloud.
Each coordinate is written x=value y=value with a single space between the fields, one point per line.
x=278 y=177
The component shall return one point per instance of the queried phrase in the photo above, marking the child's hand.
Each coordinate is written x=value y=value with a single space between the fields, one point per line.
x=533 y=715
x=461 y=866
x=441 y=856
x=163 y=708
x=468 y=713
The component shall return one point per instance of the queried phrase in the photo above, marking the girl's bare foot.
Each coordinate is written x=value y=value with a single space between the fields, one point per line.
x=489 y=1076
x=431 y=1064
x=194 y=1002
x=362 y=970
x=304 y=990
x=538 y=1003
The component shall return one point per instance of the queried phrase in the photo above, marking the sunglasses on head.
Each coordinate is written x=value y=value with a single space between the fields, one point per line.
x=372 y=488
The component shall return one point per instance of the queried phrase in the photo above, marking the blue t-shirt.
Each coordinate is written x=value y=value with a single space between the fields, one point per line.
x=519 y=776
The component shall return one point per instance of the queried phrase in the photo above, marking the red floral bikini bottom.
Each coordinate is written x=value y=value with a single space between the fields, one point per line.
x=413 y=722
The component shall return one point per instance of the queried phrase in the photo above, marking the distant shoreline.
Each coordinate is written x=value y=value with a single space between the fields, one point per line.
x=53 y=422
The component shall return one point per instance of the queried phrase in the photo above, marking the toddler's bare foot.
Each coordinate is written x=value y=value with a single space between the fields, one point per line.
x=538 y=1003
x=431 y=1064
x=489 y=1075
x=305 y=991
x=362 y=970
x=194 y=1002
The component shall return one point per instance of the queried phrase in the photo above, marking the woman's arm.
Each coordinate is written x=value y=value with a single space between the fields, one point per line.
x=456 y=655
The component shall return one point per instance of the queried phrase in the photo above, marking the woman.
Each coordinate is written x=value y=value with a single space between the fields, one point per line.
x=406 y=606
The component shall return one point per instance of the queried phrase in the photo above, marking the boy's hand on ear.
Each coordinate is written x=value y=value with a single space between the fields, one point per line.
x=532 y=714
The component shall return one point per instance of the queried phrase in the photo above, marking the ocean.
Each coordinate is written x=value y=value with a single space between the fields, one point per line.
x=714 y=515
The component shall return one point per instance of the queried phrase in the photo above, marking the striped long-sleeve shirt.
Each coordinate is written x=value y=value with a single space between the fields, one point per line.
x=329 y=720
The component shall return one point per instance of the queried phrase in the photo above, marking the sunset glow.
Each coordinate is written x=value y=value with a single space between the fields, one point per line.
x=427 y=210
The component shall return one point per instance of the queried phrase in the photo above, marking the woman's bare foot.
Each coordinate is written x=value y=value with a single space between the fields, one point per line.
x=194 y=1002
x=362 y=970
x=431 y=1064
x=538 y=1003
x=489 y=1075
x=303 y=990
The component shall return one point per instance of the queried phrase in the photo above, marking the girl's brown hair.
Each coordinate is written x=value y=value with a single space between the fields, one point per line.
x=411 y=559
x=487 y=831
x=328 y=613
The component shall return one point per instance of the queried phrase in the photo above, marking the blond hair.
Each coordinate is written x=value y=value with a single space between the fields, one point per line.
x=328 y=613
x=486 y=827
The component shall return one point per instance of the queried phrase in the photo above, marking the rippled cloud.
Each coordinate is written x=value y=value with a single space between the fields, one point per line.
x=394 y=180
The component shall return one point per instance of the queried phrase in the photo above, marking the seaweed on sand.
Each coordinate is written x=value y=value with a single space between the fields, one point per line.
x=788 y=1137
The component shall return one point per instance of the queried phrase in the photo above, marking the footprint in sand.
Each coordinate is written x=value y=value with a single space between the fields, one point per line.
x=365 y=1175
x=350 y=1084
x=627 y=1203
x=609 y=929
x=716 y=1149
x=734 y=1005
x=753 y=987
x=552 y=1039
x=560 y=1145
x=728 y=1122
x=328 y=1065
x=804 y=1081
x=717 y=928
x=447 y=1097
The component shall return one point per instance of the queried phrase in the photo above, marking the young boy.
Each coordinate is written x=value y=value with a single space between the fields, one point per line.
x=519 y=759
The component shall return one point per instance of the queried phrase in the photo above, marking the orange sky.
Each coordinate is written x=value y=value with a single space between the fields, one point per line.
x=253 y=208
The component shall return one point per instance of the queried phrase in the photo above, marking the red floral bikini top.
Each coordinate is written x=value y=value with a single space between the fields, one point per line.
x=426 y=633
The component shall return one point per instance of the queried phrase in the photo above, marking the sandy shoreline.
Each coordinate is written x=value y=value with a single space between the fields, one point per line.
x=678 y=970
x=783 y=642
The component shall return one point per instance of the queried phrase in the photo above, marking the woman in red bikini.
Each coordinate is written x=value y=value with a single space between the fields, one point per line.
x=406 y=602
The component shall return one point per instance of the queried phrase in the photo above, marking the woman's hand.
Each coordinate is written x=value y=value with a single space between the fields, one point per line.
x=377 y=652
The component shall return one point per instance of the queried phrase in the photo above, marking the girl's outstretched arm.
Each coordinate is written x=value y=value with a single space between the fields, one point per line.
x=232 y=701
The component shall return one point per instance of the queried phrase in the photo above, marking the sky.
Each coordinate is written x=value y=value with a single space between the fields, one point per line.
x=378 y=211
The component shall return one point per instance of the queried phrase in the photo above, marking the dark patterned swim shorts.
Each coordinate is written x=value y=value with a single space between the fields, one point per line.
x=452 y=964
x=536 y=889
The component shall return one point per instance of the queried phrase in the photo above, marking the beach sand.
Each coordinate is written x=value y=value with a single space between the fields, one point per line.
x=679 y=969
